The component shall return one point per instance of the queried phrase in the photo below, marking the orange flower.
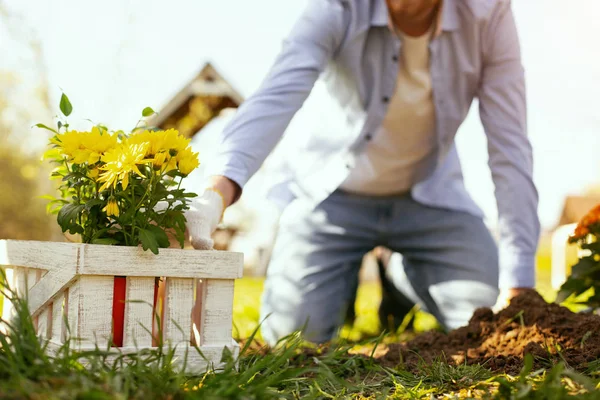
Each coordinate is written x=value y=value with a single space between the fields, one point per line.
x=583 y=227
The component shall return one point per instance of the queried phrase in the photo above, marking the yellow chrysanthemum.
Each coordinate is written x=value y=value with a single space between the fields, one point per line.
x=170 y=165
x=72 y=145
x=81 y=147
x=121 y=162
x=169 y=141
x=174 y=142
x=98 y=143
x=187 y=161
x=144 y=137
x=159 y=159
x=112 y=207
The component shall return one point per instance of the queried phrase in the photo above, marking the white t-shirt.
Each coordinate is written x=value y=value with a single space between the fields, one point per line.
x=406 y=141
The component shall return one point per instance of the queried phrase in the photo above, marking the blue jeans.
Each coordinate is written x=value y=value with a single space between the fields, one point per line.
x=445 y=261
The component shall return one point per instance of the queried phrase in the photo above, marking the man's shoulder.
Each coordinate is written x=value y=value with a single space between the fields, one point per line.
x=480 y=10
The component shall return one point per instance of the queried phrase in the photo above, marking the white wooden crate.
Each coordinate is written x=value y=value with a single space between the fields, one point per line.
x=70 y=289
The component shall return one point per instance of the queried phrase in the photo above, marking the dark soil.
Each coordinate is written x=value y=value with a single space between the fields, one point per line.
x=549 y=332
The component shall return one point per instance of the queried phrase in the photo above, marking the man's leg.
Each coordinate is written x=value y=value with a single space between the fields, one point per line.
x=449 y=262
x=314 y=267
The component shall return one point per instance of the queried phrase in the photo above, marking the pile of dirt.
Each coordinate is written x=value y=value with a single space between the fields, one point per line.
x=499 y=342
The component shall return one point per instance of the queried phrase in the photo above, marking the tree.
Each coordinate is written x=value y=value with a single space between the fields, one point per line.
x=23 y=178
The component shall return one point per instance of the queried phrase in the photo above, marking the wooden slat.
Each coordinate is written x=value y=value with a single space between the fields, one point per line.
x=198 y=311
x=218 y=310
x=138 y=312
x=72 y=310
x=7 y=307
x=179 y=300
x=176 y=263
x=31 y=277
x=44 y=322
x=94 y=309
x=57 y=323
x=60 y=259
x=34 y=254
x=20 y=282
x=196 y=364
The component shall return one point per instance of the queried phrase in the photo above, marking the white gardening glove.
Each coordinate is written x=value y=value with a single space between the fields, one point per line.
x=202 y=217
x=506 y=295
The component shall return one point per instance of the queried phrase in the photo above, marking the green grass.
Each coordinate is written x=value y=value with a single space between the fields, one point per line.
x=292 y=370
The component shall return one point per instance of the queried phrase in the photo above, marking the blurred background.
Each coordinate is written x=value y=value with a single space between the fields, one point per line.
x=195 y=61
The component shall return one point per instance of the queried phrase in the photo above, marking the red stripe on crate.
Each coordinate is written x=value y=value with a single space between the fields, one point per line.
x=158 y=311
x=118 y=313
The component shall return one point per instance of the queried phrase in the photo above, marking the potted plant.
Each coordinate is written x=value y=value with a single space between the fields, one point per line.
x=121 y=194
x=584 y=280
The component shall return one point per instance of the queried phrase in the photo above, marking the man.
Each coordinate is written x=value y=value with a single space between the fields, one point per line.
x=401 y=76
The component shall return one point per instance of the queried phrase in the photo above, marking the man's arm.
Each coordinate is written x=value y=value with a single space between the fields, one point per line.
x=503 y=111
x=262 y=119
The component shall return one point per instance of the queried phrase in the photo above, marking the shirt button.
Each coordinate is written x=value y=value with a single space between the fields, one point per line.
x=385 y=99
x=395 y=58
x=368 y=137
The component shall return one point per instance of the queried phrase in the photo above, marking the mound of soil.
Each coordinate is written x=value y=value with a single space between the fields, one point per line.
x=499 y=342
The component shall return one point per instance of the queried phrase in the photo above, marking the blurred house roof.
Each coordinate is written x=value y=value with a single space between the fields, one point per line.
x=197 y=103
x=575 y=208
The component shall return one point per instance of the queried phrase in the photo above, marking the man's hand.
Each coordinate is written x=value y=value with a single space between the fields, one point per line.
x=202 y=217
x=206 y=211
x=506 y=295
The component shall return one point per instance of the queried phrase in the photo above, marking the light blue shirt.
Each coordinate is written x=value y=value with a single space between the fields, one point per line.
x=347 y=46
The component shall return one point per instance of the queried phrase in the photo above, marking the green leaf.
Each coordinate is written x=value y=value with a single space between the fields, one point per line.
x=46 y=127
x=65 y=105
x=148 y=111
x=527 y=365
x=94 y=202
x=105 y=241
x=59 y=124
x=75 y=229
x=573 y=286
x=161 y=237
x=68 y=215
x=47 y=197
x=148 y=241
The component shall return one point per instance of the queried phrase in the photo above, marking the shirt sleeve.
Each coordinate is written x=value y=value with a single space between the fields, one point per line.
x=503 y=111
x=262 y=119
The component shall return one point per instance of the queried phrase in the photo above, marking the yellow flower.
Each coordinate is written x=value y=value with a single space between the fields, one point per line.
x=159 y=159
x=81 y=147
x=169 y=141
x=174 y=142
x=145 y=138
x=112 y=207
x=121 y=162
x=171 y=165
x=98 y=143
x=71 y=144
x=93 y=173
x=188 y=161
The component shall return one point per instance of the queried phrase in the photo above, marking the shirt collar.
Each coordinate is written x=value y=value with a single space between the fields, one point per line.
x=448 y=17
